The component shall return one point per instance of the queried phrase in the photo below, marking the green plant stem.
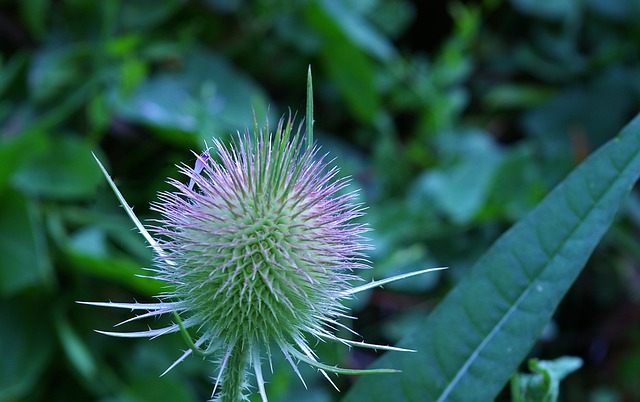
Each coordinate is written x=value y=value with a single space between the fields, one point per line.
x=187 y=338
x=233 y=379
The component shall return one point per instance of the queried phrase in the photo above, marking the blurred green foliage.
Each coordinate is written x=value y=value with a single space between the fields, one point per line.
x=454 y=119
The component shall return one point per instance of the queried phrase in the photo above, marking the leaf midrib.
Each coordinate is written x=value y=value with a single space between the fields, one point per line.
x=550 y=258
x=482 y=344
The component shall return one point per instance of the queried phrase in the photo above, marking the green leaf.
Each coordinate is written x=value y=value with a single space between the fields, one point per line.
x=476 y=338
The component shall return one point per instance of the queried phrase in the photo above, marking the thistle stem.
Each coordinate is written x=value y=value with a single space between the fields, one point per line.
x=234 y=376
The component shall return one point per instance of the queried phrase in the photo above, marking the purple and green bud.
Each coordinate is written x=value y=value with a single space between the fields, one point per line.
x=259 y=249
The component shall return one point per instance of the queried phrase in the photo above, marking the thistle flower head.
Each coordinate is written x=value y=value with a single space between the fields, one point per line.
x=259 y=249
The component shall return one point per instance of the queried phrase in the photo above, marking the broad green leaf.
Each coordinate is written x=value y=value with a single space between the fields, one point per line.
x=474 y=340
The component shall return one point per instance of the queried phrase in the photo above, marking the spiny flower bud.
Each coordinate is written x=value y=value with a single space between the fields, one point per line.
x=259 y=249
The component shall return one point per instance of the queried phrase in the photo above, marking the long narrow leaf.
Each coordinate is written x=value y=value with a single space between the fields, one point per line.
x=478 y=335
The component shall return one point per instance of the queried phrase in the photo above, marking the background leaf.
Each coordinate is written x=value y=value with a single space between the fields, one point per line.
x=478 y=335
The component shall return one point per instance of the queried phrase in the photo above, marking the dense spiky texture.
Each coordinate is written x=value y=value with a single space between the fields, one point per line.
x=259 y=249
